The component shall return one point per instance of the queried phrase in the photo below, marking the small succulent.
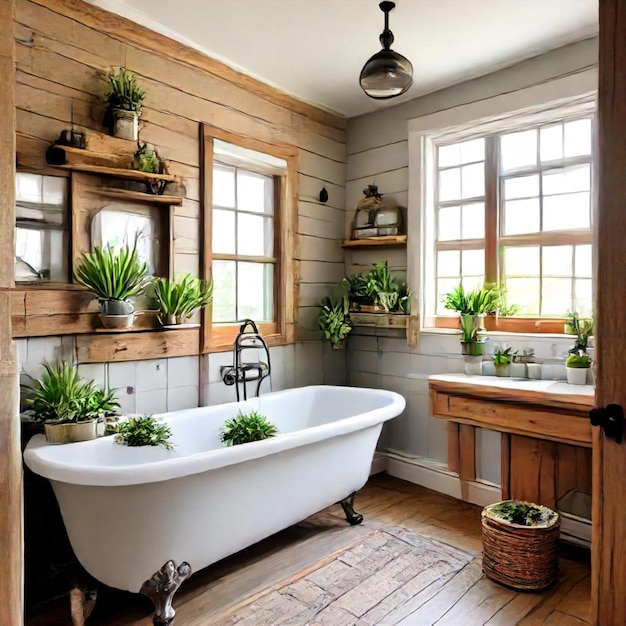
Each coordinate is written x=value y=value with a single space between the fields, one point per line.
x=141 y=430
x=503 y=356
x=246 y=427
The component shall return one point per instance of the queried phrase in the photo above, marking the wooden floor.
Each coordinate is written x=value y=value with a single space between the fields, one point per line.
x=464 y=600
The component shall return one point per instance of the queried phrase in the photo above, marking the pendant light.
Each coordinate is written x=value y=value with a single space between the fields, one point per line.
x=387 y=74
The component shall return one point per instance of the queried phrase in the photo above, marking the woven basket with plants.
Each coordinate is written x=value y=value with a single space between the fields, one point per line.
x=520 y=544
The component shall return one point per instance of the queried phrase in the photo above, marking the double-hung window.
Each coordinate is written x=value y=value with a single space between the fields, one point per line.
x=514 y=208
x=249 y=259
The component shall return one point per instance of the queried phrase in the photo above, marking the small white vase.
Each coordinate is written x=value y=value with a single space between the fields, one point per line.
x=125 y=124
x=503 y=370
x=473 y=365
x=577 y=375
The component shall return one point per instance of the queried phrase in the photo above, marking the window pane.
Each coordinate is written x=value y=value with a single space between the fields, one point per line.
x=449 y=263
x=224 y=291
x=254 y=192
x=224 y=186
x=255 y=235
x=449 y=224
x=223 y=229
x=39 y=255
x=521 y=187
x=551 y=142
x=583 y=301
x=450 y=184
x=519 y=149
x=473 y=150
x=556 y=296
x=255 y=291
x=473 y=180
x=568 y=180
x=472 y=263
x=449 y=155
x=28 y=188
x=521 y=261
x=557 y=260
x=525 y=293
x=577 y=138
x=566 y=212
x=444 y=286
x=474 y=221
x=583 y=265
x=521 y=216
x=54 y=190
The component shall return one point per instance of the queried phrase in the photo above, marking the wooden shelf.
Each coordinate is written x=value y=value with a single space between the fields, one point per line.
x=389 y=241
x=126 y=194
x=379 y=320
x=151 y=329
x=117 y=172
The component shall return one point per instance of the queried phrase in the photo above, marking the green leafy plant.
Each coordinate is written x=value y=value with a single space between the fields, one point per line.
x=124 y=91
x=469 y=328
x=578 y=359
x=378 y=287
x=357 y=287
x=582 y=327
x=61 y=395
x=112 y=275
x=522 y=513
x=479 y=301
x=146 y=159
x=503 y=356
x=334 y=319
x=246 y=427
x=142 y=430
x=178 y=299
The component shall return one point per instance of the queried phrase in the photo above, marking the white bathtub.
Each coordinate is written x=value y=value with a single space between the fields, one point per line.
x=128 y=511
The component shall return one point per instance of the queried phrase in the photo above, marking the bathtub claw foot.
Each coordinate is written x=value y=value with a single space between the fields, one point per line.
x=347 y=504
x=161 y=589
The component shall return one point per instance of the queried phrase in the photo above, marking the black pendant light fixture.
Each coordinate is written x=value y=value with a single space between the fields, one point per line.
x=387 y=74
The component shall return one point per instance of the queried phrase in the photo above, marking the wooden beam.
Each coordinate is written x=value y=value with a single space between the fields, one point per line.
x=454 y=461
x=11 y=564
x=609 y=517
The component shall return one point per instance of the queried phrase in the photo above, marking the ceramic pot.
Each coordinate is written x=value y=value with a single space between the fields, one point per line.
x=577 y=375
x=57 y=432
x=503 y=370
x=473 y=365
x=116 y=307
x=117 y=321
x=471 y=348
x=125 y=124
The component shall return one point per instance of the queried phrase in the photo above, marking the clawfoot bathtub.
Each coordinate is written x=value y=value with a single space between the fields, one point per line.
x=132 y=512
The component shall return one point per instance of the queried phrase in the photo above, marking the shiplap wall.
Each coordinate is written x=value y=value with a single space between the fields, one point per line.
x=62 y=65
x=378 y=154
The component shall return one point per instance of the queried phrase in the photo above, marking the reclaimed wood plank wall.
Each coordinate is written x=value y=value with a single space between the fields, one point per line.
x=64 y=51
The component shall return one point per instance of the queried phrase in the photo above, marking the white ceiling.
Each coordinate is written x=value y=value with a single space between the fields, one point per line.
x=315 y=49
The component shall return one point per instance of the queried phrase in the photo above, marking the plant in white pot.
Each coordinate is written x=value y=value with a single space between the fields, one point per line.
x=179 y=299
x=577 y=364
x=114 y=277
x=502 y=359
x=70 y=407
x=124 y=103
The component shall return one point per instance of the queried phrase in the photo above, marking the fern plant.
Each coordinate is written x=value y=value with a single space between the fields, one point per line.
x=124 y=92
x=61 y=395
x=246 y=427
x=111 y=274
x=178 y=299
x=334 y=319
x=142 y=430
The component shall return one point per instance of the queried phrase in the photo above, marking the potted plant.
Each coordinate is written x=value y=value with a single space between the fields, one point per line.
x=69 y=407
x=114 y=277
x=356 y=286
x=179 y=299
x=334 y=320
x=245 y=428
x=141 y=430
x=502 y=358
x=124 y=103
x=576 y=365
x=582 y=327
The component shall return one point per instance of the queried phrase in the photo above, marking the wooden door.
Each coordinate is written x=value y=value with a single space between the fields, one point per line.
x=609 y=480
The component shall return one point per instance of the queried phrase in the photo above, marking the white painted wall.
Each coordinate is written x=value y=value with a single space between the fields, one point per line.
x=378 y=153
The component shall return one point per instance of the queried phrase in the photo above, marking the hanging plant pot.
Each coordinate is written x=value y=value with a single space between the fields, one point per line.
x=125 y=124
x=71 y=432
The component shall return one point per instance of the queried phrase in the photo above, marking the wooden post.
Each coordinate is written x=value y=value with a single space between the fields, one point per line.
x=609 y=458
x=10 y=449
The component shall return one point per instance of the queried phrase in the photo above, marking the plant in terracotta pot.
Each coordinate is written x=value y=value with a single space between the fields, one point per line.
x=502 y=359
x=334 y=320
x=576 y=365
x=179 y=299
x=70 y=407
x=114 y=277
x=124 y=103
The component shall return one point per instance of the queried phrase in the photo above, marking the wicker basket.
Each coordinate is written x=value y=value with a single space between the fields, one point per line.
x=521 y=557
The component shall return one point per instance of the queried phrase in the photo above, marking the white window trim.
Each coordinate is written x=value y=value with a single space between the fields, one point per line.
x=421 y=131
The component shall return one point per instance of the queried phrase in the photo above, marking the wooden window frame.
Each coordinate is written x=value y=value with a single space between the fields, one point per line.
x=280 y=331
x=494 y=241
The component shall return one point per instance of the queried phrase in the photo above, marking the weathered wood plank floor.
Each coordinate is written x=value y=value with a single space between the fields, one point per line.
x=462 y=598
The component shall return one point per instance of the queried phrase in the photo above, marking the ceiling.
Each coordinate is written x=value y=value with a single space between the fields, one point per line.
x=315 y=49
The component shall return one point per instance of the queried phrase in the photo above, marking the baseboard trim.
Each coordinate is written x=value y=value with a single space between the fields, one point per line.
x=432 y=476
x=379 y=463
